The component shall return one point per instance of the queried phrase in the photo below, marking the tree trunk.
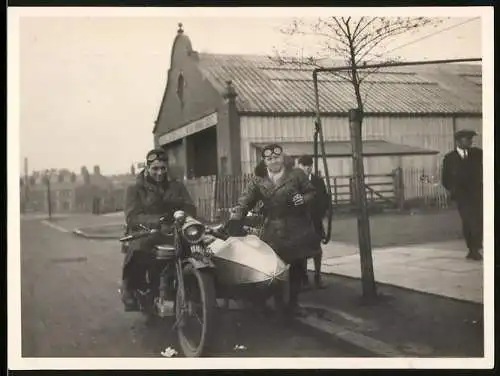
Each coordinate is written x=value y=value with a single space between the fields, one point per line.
x=365 y=251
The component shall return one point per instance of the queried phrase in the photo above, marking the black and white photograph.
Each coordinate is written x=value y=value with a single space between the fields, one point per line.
x=250 y=188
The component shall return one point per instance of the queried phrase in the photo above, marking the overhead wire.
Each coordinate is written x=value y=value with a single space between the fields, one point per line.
x=432 y=34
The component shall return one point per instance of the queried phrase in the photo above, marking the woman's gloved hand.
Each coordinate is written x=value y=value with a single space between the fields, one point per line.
x=298 y=199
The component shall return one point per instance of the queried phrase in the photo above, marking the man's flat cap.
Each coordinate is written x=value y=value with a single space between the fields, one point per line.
x=465 y=133
x=306 y=160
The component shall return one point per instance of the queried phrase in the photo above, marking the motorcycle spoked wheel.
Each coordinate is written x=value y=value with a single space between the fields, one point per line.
x=199 y=289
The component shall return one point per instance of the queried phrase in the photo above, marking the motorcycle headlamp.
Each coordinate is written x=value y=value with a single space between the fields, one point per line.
x=193 y=233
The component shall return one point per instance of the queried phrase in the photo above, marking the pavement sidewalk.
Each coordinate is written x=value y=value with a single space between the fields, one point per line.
x=415 y=315
x=435 y=268
x=402 y=323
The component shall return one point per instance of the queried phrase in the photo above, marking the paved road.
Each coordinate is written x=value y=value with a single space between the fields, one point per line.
x=71 y=308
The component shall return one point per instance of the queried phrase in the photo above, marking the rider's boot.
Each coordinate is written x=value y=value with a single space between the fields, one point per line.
x=128 y=298
x=318 y=283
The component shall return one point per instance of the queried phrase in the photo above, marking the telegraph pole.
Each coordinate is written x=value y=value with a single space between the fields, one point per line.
x=26 y=182
x=49 y=201
x=365 y=248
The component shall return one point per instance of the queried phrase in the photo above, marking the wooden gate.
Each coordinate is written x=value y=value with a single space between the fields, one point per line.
x=382 y=190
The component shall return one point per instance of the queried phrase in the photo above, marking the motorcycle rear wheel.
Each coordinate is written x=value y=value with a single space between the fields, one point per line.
x=205 y=286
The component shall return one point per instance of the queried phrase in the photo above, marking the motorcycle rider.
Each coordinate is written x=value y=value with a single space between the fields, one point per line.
x=153 y=195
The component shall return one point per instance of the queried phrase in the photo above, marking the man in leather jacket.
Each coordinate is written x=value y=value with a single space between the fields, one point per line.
x=152 y=196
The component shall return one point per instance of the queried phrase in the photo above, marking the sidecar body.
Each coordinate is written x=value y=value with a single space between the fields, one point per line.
x=244 y=264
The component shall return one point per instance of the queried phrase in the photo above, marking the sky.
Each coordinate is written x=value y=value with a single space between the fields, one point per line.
x=90 y=87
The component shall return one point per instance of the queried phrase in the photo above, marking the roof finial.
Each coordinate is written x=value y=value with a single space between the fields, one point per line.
x=180 y=30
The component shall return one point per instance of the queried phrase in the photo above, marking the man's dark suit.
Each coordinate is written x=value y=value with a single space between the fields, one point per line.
x=463 y=179
x=320 y=204
x=318 y=208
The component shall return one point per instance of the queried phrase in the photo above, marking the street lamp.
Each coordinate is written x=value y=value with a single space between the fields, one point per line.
x=47 y=178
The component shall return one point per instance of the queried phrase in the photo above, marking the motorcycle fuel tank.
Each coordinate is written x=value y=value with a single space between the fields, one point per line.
x=245 y=261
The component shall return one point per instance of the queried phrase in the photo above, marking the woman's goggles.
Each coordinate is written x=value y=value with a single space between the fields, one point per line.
x=275 y=150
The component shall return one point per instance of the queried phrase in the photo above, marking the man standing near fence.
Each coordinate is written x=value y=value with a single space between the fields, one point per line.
x=462 y=176
x=318 y=209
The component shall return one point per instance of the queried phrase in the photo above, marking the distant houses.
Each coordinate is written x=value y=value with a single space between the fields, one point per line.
x=71 y=192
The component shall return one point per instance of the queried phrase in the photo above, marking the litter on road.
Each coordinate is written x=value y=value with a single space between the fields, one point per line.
x=169 y=352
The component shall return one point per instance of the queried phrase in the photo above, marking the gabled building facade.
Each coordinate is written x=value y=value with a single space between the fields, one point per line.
x=218 y=110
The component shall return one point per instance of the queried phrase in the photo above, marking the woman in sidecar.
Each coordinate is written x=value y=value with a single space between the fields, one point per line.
x=284 y=192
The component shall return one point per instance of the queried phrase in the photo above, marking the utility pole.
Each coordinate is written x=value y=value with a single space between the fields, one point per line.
x=26 y=182
x=49 y=201
x=364 y=240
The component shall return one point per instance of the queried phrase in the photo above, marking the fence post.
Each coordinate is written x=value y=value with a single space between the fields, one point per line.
x=352 y=191
x=335 y=191
x=399 y=187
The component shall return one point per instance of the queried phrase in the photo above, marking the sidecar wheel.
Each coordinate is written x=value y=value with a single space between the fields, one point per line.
x=200 y=296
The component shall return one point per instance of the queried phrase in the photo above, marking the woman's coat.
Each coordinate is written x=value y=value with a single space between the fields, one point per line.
x=287 y=229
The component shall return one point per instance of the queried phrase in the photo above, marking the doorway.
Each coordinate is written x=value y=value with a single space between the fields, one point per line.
x=202 y=153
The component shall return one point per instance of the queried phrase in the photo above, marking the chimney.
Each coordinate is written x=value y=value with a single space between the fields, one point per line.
x=97 y=170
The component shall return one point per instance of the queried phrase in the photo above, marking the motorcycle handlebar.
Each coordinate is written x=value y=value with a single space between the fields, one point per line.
x=138 y=235
x=210 y=230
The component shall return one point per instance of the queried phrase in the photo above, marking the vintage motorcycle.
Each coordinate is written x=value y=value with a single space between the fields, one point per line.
x=198 y=264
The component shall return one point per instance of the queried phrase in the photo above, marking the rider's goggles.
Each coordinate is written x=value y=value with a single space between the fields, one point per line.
x=156 y=157
x=273 y=150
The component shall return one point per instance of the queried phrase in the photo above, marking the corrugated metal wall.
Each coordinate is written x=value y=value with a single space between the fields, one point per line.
x=434 y=133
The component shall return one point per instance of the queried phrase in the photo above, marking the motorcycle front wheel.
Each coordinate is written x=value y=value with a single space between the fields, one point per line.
x=195 y=333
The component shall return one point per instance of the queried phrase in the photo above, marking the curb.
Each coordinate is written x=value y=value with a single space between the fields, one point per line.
x=85 y=235
x=368 y=345
x=329 y=331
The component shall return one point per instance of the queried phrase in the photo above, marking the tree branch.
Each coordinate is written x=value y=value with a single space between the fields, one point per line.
x=360 y=31
x=355 y=32
x=371 y=41
x=339 y=25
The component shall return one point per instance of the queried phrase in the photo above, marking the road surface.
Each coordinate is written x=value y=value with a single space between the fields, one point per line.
x=71 y=308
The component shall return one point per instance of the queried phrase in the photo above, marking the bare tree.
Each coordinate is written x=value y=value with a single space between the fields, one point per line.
x=354 y=40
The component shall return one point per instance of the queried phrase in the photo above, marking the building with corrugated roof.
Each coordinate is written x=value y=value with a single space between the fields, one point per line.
x=218 y=110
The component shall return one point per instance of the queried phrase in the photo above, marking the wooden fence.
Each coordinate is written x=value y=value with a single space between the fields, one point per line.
x=400 y=189
x=214 y=196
